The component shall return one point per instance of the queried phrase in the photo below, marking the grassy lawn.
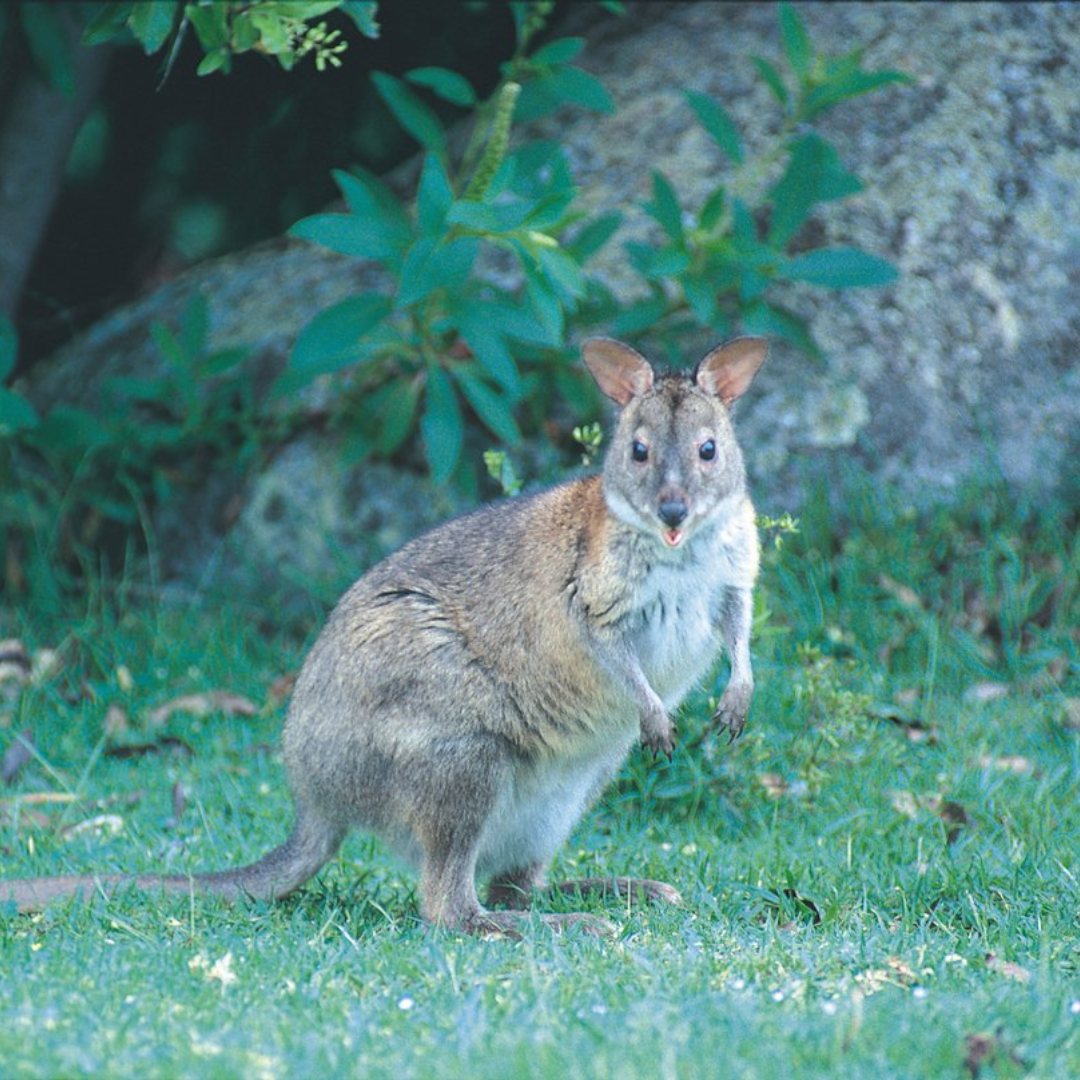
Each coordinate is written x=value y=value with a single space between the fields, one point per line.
x=880 y=877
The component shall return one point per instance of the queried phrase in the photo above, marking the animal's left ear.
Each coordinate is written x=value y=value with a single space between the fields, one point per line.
x=728 y=370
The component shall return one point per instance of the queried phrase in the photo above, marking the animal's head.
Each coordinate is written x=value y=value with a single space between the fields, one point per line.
x=673 y=459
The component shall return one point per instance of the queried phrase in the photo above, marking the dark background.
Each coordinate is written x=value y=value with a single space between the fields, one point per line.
x=163 y=176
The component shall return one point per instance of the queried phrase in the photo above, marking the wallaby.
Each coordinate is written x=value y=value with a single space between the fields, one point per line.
x=471 y=695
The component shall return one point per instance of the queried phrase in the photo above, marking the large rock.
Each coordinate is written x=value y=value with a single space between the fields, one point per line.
x=968 y=367
x=965 y=369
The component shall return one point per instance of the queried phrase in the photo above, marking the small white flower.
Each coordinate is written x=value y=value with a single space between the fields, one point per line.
x=405 y=1004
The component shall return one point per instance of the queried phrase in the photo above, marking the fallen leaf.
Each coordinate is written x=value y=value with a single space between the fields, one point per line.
x=914 y=730
x=45 y=664
x=905 y=803
x=112 y=824
x=116 y=721
x=179 y=802
x=986 y=691
x=775 y=785
x=220 y=970
x=802 y=905
x=166 y=742
x=202 y=704
x=1017 y=972
x=17 y=756
x=282 y=687
x=35 y=798
x=14 y=667
x=902 y=969
x=904 y=594
x=955 y=817
x=1013 y=763
x=1070 y=714
x=983 y=1048
x=978 y=1049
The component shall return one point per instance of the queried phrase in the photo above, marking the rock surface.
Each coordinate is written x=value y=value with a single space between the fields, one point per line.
x=966 y=368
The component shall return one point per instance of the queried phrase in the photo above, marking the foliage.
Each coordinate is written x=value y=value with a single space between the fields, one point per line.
x=73 y=473
x=283 y=29
x=441 y=346
x=286 y=30
x=717 y=264
x=897 y=903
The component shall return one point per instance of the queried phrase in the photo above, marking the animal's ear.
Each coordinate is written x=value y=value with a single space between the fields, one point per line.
x=619 y=371
x=727 y=371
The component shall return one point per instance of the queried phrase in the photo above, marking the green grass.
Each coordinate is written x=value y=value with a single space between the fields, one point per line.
x=880 y=877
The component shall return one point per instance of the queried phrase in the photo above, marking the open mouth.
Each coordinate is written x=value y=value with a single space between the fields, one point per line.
x=673 y=537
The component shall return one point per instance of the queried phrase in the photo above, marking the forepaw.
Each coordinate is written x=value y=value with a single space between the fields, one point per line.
x=658 y=735
x=733 y=709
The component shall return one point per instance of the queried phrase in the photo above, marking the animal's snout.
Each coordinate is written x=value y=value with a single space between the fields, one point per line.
x=673 y=512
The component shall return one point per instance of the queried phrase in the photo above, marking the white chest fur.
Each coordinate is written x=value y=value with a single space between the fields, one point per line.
x=676 y=635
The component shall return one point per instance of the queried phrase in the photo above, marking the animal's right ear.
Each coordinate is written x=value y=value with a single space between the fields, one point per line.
x=621 y=372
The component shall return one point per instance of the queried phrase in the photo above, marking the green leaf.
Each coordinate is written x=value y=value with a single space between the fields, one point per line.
x=562 y=86
x=713 y=209
x=701 y=298
x=195 y=326
x=369 y=197
x=429 y=266
x=168 y=344
x=411 y=113
x=562 y=273
x=9 y=347
x=495 y=411
x=796 y=42
x=359 y=238
x=559 y=51
x=593 y=236
x=396 y=406
x=655 y=263
x=545 y=303
x=814 y=174
x=362 y=13
x=152 y=21
x=770 y=320
x=484 y=217
x=839 y=268
x=441 y=426
x=222 y=361
x=515 y=321
x=16 y=413
x=331 y=341
x=211 y=24
x=640 y=316
x=218 y=60
x=714 y=119
x=482 y=331
x=434 y=196
x=665 y=208
x=67 y=430
x=107 y=23
x=448 y=85
x=843 y=89
x=48 y=42
x=772 y=79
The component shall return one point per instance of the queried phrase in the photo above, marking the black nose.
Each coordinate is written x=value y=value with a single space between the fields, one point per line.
x=673 y=512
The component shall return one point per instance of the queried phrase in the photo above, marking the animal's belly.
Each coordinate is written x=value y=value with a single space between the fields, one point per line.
x=676 y=646
x=535 y=815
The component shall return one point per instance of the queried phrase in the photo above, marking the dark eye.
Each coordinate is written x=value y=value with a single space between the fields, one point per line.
x=707 y=450
x=639 y=451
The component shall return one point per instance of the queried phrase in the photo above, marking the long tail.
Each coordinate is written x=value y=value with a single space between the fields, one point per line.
x=312 y=843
